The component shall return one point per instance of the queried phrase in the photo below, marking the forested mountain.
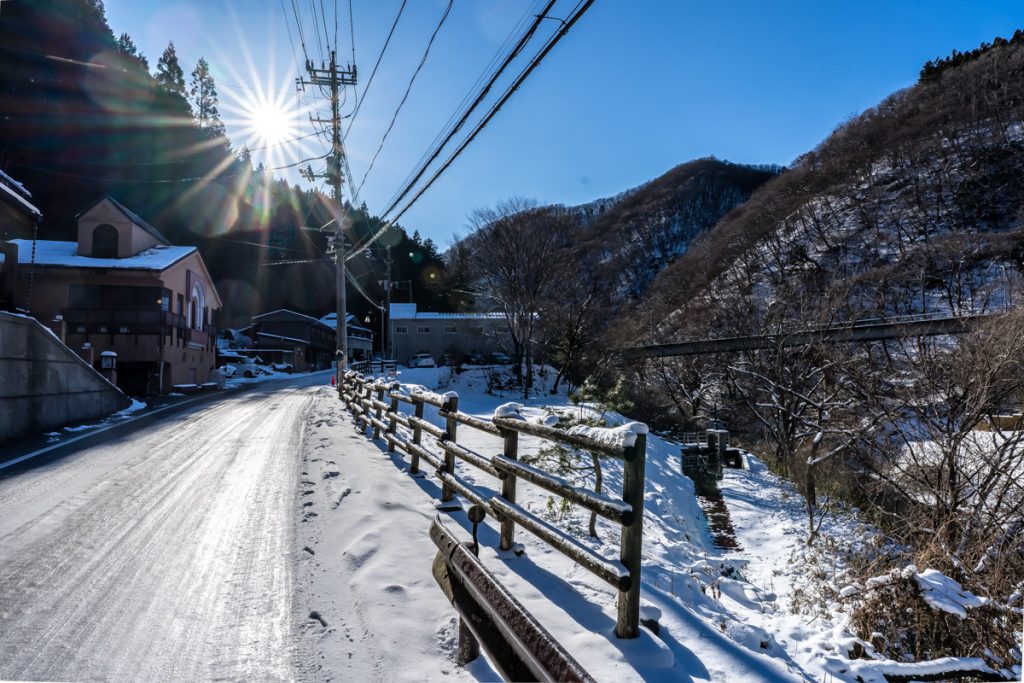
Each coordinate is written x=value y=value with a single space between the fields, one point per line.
x=914 y=205
x=83 y=116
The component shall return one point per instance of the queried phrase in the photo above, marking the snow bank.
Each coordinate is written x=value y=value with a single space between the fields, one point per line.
x=622 y=436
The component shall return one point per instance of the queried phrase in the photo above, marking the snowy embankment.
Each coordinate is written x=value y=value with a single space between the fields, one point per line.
x=725 y=615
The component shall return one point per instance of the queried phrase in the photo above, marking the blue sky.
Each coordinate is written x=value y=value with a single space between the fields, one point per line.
x=636 y=88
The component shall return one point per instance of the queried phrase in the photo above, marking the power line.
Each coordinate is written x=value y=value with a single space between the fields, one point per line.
x=476 y=102
x=408 y=88
x=581 y=8
x=473 y=88
x=369 y=82
x=578 y=12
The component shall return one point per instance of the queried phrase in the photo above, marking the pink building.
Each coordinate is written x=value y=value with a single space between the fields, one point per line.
x=123 y=287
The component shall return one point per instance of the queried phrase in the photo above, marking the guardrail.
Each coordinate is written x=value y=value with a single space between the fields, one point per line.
x=519 y=646
x=364 y=398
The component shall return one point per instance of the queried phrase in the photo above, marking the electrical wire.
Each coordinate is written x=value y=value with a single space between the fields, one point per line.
x=523 y=40
x=578 y=12
x=473 y=88
x=408 y=88
x=581 y=8
x=369 y=82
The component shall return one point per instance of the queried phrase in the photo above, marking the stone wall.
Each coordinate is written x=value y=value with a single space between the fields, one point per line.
x=44 y=385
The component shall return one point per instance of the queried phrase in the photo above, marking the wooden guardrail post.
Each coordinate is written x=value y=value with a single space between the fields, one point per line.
x=508 y=488
x=451 y=406
x=393 y=420
x=417 y=435
x=627 y=624
x=380 y=411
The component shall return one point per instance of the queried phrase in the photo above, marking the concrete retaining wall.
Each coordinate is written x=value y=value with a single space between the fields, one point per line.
x=44 y=385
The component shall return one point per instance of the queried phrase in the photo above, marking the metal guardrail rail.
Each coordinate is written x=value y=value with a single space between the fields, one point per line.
x=365 y=399
x=520 y=647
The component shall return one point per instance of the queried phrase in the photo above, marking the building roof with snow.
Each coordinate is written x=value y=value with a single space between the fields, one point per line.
x=331 y=320
x=409 y=312
x=64 y=255
x=15 y=194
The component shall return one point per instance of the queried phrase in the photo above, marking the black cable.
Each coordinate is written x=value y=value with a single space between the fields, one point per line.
x=476 y=102
x=408 y=88
x=362 y=98
x=498 y=54
x=581 y=9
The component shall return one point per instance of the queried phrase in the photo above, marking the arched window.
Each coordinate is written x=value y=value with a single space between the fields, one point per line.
x=104 y=241
x=196 y=304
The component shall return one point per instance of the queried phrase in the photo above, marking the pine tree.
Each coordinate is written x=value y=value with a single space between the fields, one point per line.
x=126 y=46
x=203 y=94
x=169 y=73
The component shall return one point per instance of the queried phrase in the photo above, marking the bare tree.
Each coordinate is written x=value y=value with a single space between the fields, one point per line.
x=515 y=255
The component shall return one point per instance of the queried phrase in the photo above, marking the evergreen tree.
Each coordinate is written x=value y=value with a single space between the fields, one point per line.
x=169 y=73
x=126 y=46
x=203 y=94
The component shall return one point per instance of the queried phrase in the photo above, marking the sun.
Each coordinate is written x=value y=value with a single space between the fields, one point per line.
x=270 y=123
x=268 y=120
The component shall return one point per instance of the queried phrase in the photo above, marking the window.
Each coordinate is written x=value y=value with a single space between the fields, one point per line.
x=423 y=329
x=196 y=304
x=476 y=329
x=104 y=241
x=401 y=329
x=449 y=329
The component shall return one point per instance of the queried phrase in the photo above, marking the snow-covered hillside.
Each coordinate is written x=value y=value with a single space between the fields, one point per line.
x=723 y=614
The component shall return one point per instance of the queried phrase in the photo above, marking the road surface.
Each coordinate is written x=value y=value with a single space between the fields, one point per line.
x=165 y=554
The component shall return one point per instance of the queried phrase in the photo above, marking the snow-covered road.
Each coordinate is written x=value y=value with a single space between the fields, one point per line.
x=165 y=554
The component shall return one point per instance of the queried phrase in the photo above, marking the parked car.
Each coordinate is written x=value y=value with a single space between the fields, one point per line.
x=473 y=359
x=447 y=359
x=498 y=358
x=283 y=367
x=422 y=360
x=244 y=366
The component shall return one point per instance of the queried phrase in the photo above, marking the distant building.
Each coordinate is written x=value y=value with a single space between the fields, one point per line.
x=122 y=287
x=18 y=217
x=360 y=339
x=284 y=336
x=458 y=334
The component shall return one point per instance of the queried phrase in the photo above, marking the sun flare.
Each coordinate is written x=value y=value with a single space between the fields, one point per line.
x=270 y=123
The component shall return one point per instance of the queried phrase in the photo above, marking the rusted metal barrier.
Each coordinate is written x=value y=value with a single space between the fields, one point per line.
x=622 y=573
x=490 y=616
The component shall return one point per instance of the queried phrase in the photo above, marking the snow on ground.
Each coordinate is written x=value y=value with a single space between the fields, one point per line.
x=701 y=637
x=365 y=563
x=725 y=615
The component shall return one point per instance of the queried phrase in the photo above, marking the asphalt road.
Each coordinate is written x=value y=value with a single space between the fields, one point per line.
x=161 y=553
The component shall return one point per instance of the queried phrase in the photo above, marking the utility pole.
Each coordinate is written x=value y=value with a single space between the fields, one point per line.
x=334 y=78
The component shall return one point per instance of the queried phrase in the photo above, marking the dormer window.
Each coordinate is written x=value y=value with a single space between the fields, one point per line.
x=104 y=241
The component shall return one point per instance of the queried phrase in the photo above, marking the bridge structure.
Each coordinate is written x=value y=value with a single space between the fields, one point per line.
x=863 y=330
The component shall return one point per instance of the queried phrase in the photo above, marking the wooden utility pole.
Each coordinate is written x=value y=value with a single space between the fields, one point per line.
x=333 y=79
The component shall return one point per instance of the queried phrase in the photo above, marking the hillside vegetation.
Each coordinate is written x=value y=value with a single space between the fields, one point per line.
x=914 y=206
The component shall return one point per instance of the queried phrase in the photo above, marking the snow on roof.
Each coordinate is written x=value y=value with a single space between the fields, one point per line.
x=331 y=321
x=409 y=312
x=62 y=254
x=18 y=194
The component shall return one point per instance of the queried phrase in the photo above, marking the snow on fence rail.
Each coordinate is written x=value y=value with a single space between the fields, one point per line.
x=364 y=398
